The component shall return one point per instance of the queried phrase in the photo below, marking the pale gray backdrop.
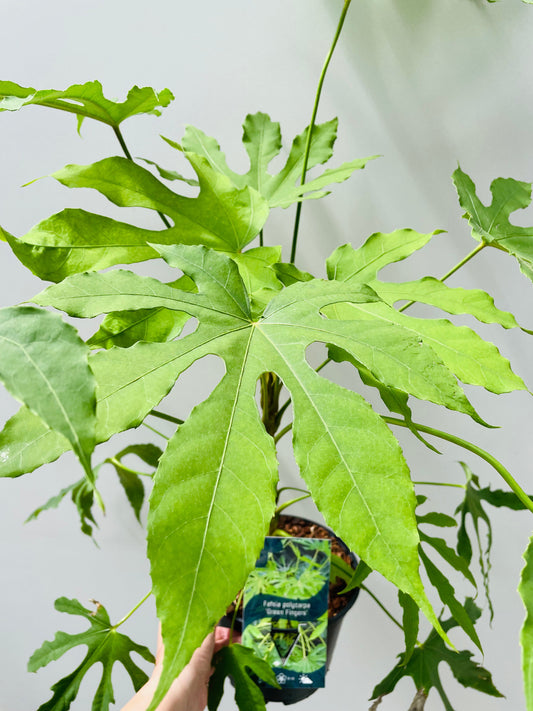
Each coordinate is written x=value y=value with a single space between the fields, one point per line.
x=425 y=83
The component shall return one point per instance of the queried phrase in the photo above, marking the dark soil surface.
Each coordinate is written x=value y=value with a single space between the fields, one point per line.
x=302 y=528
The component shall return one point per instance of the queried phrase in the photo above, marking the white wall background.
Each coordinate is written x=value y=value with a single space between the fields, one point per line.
x=425 y=83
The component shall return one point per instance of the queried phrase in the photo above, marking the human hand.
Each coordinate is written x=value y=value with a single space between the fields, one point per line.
x=189 y=690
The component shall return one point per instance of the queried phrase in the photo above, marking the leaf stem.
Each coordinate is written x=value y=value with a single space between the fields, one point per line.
x=283 y=432
x=132 y=611
x=235 y=612
x=382 y=606
x=439 y=483
x=117 y=463
x=120 y=138
x=153 y=429
x=313 y=120
x=164 y=416
x=502 y=471
x=454 y=269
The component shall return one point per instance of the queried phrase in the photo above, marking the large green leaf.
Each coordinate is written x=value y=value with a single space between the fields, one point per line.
x=86 y=100
x=105 y=646
x=262 y=140
x=526 y=634
x=44 y=365
x=490 y=224
x=343 y=448
x=221 y=217
x=423 y=666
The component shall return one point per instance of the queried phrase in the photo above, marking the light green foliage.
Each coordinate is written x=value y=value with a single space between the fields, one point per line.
x=33 y=343
x=526 y=634
x=236 y=662
x=423 y=666
x=86 y=101
x=105 y=646
x=491 y=225
x=262 y=140
x=82 y=496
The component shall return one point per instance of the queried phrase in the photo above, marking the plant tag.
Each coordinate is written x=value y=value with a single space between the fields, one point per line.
x=285 y=618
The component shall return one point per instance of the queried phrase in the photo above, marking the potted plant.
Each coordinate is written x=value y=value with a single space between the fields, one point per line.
x=235 y=296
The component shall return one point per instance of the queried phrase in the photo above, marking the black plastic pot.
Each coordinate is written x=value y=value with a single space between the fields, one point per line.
x=292 y=696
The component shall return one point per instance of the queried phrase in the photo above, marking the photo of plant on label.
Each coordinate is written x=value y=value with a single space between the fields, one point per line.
x=286 y=609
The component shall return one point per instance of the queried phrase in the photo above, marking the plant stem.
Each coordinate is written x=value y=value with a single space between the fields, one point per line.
x=120 y=138
x=164 y=416
x=502 y=471
x=454 y=269
x=117 y=463
x=130 y=613
x=313 y=120
x=282 y=507
x=235 y=611
x=283 y=432
x=382 y=606
x=153 y=429
x=439 y=483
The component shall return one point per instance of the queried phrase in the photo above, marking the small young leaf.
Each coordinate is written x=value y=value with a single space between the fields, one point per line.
x=86 y=100
x=132 y=485
x=105 y=646
x=171 y=174
x=424 y=663
x=526 y=634
x=490 y=224
x=449 y=555
x=235 y=661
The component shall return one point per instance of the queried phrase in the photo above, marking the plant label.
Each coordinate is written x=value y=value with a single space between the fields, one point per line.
x=286 y=610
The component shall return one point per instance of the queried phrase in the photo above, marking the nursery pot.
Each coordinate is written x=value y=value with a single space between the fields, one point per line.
x=292 y=696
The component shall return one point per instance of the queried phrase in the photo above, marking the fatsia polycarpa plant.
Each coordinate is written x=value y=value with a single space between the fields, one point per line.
x=215 y=484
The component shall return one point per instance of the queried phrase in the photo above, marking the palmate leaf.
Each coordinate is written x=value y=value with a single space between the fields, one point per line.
x=423 y=666
x=380 y=250
x=221 y=216
x=344 y=449
x=473 y=360
x=45 y=365
x=86 y=101
x=491 y=225
x=526 y=633
x=105 y=646
x=234 y=661
x=262 y=140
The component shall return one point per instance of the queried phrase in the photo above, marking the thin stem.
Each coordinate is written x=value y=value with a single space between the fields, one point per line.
x=290 y=503
x=117 y=463
x=439 y=483
x=454 y=269
x=120 y=138
x=283 y=432
x=235 y=611
x=313 y=120
x=261 y=237
x=164 y=416
x=130 y=613
x=153 y=429
x=502 y=471
x=382 y=606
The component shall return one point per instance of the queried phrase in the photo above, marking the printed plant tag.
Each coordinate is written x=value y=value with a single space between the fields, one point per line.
x=286 y=610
